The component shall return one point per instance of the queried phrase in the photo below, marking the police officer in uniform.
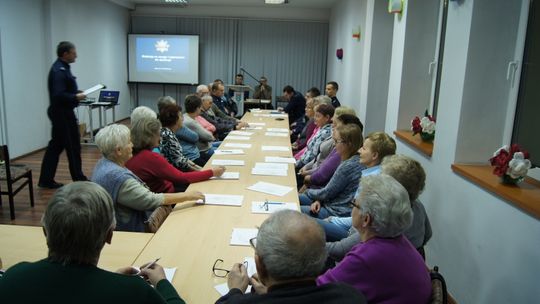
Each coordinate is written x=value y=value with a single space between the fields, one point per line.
x=64 y=97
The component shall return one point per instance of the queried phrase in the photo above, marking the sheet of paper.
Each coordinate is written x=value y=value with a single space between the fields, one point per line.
x=252 y=128
x=237 y=145
x=278 y=159
x=223 y=199
x=222 y=289
x=229 y=152
x=275 y=148
x=227 y=162
x=280 y=166
x=228 y=175
x=273 y=206
x=268 y=172
x=276 y=134
x=262 y=115
x=257 y=124
x=281 y=130
x=93 y=89
x=279 y=115
x=251 y=268
x=235 y=137
x=241 y=133
x=241 y=236
x=169 y=273
x=270 y=188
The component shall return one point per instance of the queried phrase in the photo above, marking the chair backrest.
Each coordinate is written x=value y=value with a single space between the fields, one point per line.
x=4 y=162
x=439 y=294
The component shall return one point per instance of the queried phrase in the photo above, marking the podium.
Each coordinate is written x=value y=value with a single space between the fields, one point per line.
x=238 y=96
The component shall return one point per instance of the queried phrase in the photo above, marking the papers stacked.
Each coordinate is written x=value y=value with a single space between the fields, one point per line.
x=278 y=159
x=229 y=152
x=276 y=134
x=237 y=145
x=227 y=162
x=223 y=199
x=270 y=188
x=241 y=133
x=241 y=236
x=272 y=169
x=275 y=148
x=228 y=175
x=271 y=206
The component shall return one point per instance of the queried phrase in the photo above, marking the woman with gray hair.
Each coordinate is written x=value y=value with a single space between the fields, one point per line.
x=77 y=223
x=153 y=168
x=135 y=204
x=385 y=266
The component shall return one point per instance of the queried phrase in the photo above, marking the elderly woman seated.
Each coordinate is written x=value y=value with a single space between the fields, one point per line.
x=153 y=168
x=385 y=267
x=70 y=274
x=193 y=106
x=130 y=195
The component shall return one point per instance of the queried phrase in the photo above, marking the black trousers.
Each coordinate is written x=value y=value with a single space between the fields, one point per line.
x=64 y=135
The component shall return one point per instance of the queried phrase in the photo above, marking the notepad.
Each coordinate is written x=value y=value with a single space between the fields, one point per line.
x=268 y=172
x=275 y=148
x=278 y=159
x=227 y=162
x=241 y=133
x=270 y=188
x=260 y=207
x=237 y=145
x=276 y=134
x=229 y=152
x=235 y=137
x=228 y=175
x=223 y=199
x=280 y=130
x=241 y=236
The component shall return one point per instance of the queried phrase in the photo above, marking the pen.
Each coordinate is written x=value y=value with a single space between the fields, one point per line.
x=273 y=203
x=152 y=264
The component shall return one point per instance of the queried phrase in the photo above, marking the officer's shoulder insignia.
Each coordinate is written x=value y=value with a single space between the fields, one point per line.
x=62 y=68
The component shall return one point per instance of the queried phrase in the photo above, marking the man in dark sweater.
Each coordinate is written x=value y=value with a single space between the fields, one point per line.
x=289 y=254
x=296 y=107
x=331 y=90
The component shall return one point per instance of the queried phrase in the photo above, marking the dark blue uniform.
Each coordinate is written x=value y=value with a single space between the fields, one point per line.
x=65 y=131
x=296 y=107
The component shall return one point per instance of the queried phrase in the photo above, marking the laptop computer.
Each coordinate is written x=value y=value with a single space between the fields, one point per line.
x=108 y=97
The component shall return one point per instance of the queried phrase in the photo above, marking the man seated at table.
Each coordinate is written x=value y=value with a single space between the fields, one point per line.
x=263 y=90
x=296 y=103
x=228 y=107
x=203 y=90
x=331 y=90
x=289 y=254
x=77 y=223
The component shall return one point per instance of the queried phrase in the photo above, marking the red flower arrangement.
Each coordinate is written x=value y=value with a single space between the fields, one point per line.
x=425 y=126
x=511 y=164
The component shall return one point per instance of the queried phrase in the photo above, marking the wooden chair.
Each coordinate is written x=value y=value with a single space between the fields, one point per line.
x=13 y=178
x=439 y=294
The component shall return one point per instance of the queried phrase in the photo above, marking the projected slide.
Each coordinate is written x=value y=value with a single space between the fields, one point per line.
x=163 y=58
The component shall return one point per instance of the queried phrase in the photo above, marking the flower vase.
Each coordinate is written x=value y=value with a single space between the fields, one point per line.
x=427 y=137
x=508 y=180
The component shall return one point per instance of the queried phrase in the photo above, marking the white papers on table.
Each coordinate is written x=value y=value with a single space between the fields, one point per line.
x=241 y=133
x=257 y=124
x=237 y=145
x=229 y=152
x=261 y=115
x=227 y=162
x=252 y=128
x=169 y=273
x=93 y=89
x=241 y=236
x=223 y=288
x=235 y=137
x=260 y=207
x=276 y=134
x=279 y=115
x=223 y=199
x=278 y=159
x=280 y=166
x=228 y=175
x=268 y=172
x=270 y=188
x=282 y=130
x=275 y=148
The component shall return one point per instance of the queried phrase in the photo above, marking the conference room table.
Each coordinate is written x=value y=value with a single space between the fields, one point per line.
x=194 y=236
x=27 y=243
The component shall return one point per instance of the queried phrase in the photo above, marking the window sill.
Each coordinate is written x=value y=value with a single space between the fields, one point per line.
x=525 y=195
x=416 y=142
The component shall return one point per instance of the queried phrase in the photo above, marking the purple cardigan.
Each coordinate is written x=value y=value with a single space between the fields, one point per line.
x=385 y=270
x=323 y=174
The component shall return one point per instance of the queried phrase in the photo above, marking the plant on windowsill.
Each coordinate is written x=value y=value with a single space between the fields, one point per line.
x=511 y=164
x=425 y=127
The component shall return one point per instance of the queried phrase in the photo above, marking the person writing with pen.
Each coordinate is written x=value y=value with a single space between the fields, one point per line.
x=289 y=254
x=77 y=223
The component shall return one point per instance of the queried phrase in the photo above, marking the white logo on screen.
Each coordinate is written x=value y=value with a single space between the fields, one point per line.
x=162 y=46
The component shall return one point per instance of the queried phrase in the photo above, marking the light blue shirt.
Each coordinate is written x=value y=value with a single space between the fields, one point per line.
x=346 y=222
